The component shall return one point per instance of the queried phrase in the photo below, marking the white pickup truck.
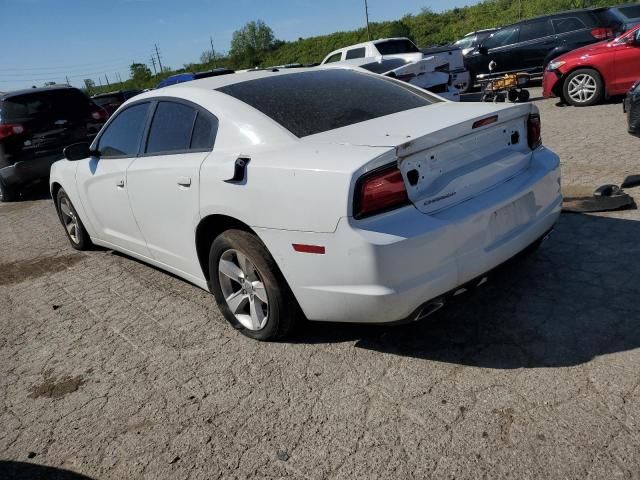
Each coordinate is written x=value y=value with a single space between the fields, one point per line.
x=439 y=70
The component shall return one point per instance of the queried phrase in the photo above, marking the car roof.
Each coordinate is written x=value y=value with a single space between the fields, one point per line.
x=553 y=15
x=26 y=91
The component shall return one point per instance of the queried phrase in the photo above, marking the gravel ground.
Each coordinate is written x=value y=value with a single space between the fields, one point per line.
x=112 y=369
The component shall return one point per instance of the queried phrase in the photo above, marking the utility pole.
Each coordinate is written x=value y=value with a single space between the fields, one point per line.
x=107 y=79
x=158 y=54
x=213 y=52
x=67 y=77
x=153 y=62
x=366 y=13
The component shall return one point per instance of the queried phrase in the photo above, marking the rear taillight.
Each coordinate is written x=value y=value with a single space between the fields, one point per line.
x=10 y=129
x=534 y=131
x=602 y=33
x=379 y=191
x=99 y=114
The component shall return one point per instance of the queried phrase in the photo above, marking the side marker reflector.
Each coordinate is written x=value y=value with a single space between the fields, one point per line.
x=303 y=248
x=485 y=121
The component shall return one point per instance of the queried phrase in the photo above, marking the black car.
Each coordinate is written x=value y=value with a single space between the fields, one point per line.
x=631 y=107
x=529 y=45
x=35 y=126
x=110 y=101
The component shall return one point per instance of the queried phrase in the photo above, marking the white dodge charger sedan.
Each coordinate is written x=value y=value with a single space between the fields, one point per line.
x=323 y=193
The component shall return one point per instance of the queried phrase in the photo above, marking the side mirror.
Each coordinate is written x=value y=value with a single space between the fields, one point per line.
x=78 y=151
x=483 y=50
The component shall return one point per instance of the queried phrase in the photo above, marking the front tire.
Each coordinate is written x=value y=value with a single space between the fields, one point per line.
x=7 y=194
x=73 y=226
x=583 y=88
x=250 y=291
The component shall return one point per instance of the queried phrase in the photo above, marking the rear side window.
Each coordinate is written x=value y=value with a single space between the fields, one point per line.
x=334 y=58
x=171 y=128
x=355 y=53
x=567 y=24
x=307 y=103
x=62 y=104
x=391 y=47
x=535 y=30
x=506 y=36
x=122 y=136
x=204 y=132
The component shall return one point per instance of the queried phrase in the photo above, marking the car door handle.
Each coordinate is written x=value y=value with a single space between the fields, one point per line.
x=120 y=184
x=184 y=181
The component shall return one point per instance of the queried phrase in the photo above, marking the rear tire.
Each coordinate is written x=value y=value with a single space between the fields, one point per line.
x=7 y=194
x=583 y=88
x=249 y=288
x=73 y=226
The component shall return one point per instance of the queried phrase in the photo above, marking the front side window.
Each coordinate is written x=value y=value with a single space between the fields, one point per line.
x=307 y=103
x=506 y=36
x=122 y=136
x=171 y=128
x=355 y=53
x=535 y=30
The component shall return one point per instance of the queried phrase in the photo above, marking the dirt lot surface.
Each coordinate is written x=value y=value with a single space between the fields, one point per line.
x=112 y=369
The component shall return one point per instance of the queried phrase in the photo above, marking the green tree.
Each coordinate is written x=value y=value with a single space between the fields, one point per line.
x=252 y=42
x=140 y=72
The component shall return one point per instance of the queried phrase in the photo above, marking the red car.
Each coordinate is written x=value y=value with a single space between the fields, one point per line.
x=584 y=76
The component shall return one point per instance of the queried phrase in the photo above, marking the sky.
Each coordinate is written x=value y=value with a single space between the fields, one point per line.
x=47 y=40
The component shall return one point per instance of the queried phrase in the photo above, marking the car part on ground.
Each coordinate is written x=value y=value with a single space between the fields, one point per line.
x=585 y=76
x=529 y=45
x=35 y=125
x=605 y=198
x=510 y=86
x=462 y=187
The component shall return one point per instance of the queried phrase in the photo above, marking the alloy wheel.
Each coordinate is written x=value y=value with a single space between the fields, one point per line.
x=70 y=220
x=582 y=88
x=243 y=289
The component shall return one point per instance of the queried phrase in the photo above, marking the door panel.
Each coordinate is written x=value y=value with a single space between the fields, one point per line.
x=626 y=68
x=103 y=191
x=164 y=193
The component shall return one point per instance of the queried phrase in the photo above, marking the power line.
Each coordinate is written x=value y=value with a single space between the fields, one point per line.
x=90 y=65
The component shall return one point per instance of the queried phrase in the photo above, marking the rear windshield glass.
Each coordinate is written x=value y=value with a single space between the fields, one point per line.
x=384 y=66
x=312 y=102
x=69 y=103
x=391 y=47
x=102 y=101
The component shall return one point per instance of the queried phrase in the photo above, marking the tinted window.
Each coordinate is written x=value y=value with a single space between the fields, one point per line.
x=391 y=47
x=334 y=58
x=355 y=53
x=67 y=103
x=171 y=128
x=631 y=11
x=385 y=65
x=112 y=99
x=122 y=136
x=506 y=36
x=568 y=24
x=534 y=30
x=204 y=132
x=312 y=102
x=466 y=42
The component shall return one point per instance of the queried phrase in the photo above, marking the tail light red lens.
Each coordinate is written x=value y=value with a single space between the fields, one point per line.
x=99 y=114
x=10 y=129
x=379 y=191
x=602 y=33
x=534 y=131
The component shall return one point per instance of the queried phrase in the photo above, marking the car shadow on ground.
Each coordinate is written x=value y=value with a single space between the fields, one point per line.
x=577 y=298
x=28 y=471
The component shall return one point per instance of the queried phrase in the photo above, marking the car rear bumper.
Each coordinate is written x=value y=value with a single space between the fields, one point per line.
x=549 y=84
x=384 y=269
x=27 y=171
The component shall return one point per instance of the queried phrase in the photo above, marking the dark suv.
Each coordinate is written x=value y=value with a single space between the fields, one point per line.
x=35 y=125
x=529 y=45
x=112 y=100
